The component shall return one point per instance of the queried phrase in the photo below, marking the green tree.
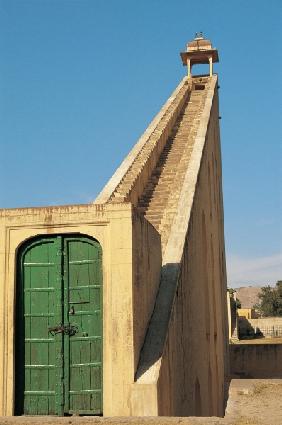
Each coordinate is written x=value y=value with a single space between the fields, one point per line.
x=270 y=303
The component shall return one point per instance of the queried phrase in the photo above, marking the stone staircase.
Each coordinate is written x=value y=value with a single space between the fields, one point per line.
x=145 y=160
x=153 y=173
x=161 y=194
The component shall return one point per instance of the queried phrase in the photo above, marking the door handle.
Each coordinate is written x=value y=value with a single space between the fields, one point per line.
x=70 y=329
x=67 y=329
x=53 y=330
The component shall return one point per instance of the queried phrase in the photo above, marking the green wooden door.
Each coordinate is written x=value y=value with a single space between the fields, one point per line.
x=59 y=327
x=82 y=307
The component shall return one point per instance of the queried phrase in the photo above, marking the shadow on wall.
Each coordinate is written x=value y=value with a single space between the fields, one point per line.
x=169 y=339
x=259 y=328
x=246 y=330
x=158 y=324
x=198 y=403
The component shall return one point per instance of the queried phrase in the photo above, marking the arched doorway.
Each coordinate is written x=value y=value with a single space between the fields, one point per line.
x=59 y=326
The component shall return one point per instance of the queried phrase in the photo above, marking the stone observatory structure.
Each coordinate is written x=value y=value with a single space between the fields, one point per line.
x=118 y=307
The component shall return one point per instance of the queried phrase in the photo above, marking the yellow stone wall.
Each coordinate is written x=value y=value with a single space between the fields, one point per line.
x=256 y=361
x=194 y=354
x=248 y=313
x=126 y=290
x=184 y=361
x=147 y=262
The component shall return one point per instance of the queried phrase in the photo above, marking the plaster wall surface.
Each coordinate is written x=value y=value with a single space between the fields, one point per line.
x=112 y=226
x=194 y=354
x=248 y=313
x=269 y=327
x=183 y=363
x=256 y=360
x=147 y=262
x=232 y=317
x=266 y=321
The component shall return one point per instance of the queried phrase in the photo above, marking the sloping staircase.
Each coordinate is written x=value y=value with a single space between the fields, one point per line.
x=160 y=197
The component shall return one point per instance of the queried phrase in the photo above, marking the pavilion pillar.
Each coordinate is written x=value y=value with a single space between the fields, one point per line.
x=188 y=68
x=211 y=67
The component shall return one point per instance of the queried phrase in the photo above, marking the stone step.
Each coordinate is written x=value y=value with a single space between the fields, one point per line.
x=161 y=194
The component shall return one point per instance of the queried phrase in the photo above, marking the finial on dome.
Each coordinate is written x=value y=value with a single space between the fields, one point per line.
x=199 y=36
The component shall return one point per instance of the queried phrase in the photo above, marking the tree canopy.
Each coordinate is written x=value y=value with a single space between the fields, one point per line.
x=270 y=303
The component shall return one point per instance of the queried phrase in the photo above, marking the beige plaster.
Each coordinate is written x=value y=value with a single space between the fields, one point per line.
x=190 y=316
x=258 y=361
x=112 y=227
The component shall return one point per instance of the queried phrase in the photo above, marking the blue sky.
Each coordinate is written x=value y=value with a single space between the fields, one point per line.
x=81 y=79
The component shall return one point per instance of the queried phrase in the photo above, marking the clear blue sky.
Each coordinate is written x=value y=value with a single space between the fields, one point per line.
x=81 y=79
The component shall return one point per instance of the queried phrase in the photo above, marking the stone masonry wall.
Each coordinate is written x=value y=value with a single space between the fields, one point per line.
x=194 y=358
x=256 y=360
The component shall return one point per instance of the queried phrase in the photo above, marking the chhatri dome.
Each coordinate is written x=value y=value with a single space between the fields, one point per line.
x=199 y=51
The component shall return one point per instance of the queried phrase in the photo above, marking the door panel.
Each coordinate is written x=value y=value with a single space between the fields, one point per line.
x=84 y=262
x=36 y=361
x=59 y=284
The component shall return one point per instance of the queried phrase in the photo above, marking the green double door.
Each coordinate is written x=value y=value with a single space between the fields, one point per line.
x=59 y=327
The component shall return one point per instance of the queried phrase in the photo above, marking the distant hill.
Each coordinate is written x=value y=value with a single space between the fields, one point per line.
x=248 y=295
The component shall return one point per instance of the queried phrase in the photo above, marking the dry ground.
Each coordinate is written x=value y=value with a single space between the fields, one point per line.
x=255 y=402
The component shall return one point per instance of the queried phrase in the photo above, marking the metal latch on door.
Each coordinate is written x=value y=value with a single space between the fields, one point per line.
x=67 y=329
